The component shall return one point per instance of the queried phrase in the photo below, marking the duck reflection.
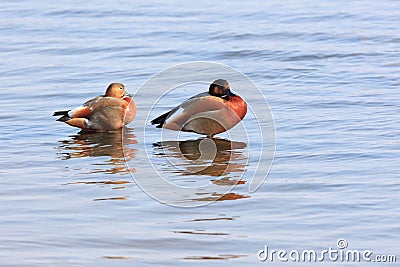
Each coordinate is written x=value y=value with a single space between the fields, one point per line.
x=221 y=159
x=114 y=146
x=204 y=156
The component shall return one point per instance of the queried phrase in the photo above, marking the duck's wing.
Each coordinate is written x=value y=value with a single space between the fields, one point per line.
x=178 y=116
x=160 y=120
x=83 y=111
x=96 y=104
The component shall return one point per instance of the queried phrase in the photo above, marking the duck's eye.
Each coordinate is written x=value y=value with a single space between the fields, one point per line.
x=121 y=88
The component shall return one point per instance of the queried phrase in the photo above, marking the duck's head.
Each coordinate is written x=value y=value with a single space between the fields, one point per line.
x=116 y=90
x=220 y=88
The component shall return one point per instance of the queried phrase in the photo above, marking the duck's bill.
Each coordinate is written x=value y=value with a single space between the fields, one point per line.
x=230 y=93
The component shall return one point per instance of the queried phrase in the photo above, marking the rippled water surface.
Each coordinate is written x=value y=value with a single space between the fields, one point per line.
x=329 y=69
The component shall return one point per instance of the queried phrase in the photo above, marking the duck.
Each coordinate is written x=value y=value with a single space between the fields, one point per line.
x=208 y=113
x=108 y=112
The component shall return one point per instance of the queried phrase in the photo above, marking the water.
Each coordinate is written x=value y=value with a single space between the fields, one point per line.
x=329 y=69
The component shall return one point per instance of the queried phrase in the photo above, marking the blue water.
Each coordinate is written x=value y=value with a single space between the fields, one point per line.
x=329 y=70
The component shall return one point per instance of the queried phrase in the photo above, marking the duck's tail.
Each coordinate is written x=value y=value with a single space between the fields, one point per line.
x=64 y=115
x=161 y=119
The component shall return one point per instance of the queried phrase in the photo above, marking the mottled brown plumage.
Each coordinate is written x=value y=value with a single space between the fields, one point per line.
x=103 y=113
